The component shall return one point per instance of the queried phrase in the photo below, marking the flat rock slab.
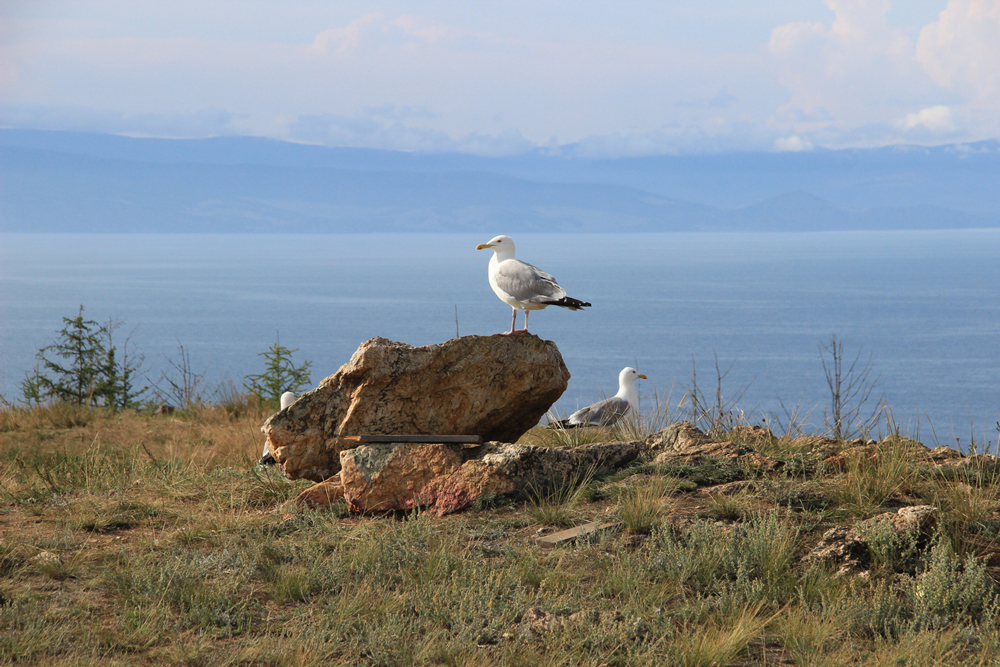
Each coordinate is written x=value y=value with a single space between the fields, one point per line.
x=494 y=387
x=555 y=539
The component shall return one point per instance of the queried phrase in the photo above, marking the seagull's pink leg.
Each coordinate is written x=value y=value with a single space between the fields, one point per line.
x=513 y=321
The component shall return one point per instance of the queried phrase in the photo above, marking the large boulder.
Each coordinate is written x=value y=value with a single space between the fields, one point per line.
x=496 y=387
x=444 y=478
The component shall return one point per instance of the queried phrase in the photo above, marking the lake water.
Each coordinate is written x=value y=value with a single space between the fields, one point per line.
x=924 y=305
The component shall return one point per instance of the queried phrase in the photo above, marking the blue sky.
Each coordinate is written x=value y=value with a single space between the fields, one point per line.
x=611 y=78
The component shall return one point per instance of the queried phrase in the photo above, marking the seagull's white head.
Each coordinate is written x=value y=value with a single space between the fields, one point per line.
x=499 y=244
x=629 y=375
x=287 y=399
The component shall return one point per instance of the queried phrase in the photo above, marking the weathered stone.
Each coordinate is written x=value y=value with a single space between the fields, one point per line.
x=915 y=451
x=919 y=521
x=324 y=493
x=496 y=387
x=45 y=558
x=848 y=548
x=395 y=476
x=677 y=436
x=697 y=453
x=447 y=478
x=984 y=467
x=841 y=546
x=683 y=442
x=942 y=454
x=536 y=621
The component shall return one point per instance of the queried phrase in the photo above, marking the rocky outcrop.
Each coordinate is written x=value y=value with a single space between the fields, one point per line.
x=496 y=387
x=848 y=549
x=445 y=478
x=682 y=442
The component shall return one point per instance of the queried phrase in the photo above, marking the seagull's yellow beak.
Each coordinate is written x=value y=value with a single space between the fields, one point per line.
x=483 y=246
x=643 y=376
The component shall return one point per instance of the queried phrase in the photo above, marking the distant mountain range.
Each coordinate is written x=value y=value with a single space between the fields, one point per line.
x=74 y=182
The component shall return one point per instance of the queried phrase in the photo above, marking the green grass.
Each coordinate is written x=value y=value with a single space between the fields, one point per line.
x=166 y=545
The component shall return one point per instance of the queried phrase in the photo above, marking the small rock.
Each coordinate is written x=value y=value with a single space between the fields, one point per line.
x=323 y=493
x=847 y=546
x=683 y=442
x=45 y=558
x=677 y=436
x=536 y=621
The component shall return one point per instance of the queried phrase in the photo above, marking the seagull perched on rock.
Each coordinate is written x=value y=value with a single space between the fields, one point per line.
x=610 y=410
x=521 y=285
x=266 y=459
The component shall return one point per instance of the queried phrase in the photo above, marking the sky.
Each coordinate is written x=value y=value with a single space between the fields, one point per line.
x=599 y=79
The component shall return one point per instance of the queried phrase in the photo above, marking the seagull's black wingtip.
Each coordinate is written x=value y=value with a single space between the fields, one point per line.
x=570 y=302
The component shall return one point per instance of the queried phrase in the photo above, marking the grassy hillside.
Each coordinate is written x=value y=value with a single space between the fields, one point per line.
x=133 y=539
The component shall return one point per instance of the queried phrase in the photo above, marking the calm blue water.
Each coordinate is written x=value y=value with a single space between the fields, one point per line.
x=924 y=305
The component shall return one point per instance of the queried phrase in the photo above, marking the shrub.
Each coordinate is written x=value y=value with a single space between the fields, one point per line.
x=952 y=589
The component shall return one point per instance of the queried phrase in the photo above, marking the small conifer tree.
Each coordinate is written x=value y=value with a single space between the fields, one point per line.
x=81 y=368
x=280 y=374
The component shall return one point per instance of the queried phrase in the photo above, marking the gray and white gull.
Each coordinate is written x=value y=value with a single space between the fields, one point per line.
x=610 y=410
x=521 y=285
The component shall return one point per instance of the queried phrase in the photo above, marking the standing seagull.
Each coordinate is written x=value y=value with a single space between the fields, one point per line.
x=610 y=410
x=521 y=285
x=266 y=459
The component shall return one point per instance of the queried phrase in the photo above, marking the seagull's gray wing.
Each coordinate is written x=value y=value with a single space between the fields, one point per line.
x=602 y=413
x=527 y=283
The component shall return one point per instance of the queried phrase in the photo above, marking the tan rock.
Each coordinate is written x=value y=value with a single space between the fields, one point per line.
x=446 y=478
x=696 y=453
x=323 y=493
x=848 y=548
x=942 y=454
x=920 y=520
x=396 y=476
x=536 y=621
x=496 y=387
x=843 y=547
x=677 y=436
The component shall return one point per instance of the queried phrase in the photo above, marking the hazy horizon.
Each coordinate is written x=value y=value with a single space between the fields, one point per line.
x=632 y=78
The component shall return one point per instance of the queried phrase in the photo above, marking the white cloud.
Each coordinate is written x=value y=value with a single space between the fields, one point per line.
x=961 y=50
x=852 y=68
x=935 y=119
x=414 y=27
x=342 y=41
x=857 y=81
x=792 y=144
